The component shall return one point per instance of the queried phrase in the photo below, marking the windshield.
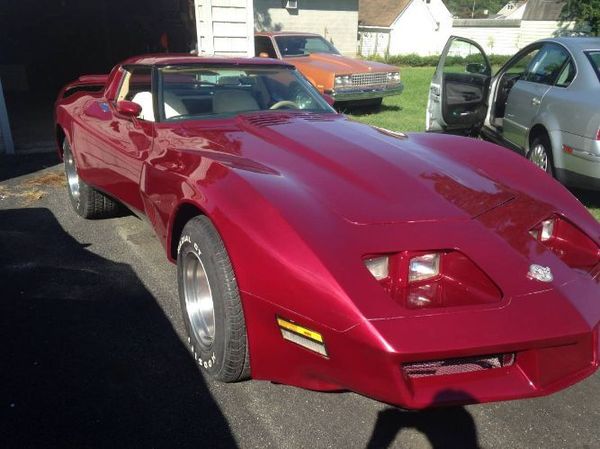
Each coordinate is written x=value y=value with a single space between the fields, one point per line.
x=197 y=91
x=594 y=57
x=304 y=45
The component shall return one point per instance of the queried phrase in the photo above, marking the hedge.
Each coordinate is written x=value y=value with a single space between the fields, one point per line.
x=414 y=60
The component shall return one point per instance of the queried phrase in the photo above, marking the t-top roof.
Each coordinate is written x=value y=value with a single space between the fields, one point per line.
x=185 y=58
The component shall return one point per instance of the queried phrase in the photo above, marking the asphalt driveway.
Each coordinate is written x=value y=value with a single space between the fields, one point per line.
x=92 y=355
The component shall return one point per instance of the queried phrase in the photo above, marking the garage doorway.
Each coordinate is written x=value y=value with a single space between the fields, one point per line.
x=47 y=44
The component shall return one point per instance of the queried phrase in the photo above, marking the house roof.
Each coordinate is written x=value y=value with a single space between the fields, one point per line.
x=543 y=10
x=506 y=10
x=380 y=12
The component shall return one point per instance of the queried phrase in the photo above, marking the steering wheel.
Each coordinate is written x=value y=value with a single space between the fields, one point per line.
x=283 y=103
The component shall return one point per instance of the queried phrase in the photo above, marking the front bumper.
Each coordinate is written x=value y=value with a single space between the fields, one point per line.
x=368 y=93
x=554 y=340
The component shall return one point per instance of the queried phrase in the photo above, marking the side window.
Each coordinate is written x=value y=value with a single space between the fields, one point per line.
x=263 y=44
x=519 y=67
x=136 y=87
x=464 y=57
x=547 y=65
x=566 y=76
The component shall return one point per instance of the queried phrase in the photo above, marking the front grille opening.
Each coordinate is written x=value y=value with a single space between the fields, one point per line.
x=458 y=366
x=369 y=79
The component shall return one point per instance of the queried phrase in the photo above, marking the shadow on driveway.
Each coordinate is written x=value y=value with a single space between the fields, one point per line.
x=88 y=357
x=23 y=164
x=444 y=427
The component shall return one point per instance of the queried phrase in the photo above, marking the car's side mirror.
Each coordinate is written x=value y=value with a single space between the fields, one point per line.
x=263 y=54
x=128 y=108
x=476 y=67
x=329 y=99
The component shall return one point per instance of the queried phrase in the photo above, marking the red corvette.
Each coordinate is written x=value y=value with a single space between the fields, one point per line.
x=315 y=251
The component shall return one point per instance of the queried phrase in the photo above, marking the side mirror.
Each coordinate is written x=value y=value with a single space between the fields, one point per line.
x=476 y=67
x=128 y=108
x=263 y=54
x=329 y=99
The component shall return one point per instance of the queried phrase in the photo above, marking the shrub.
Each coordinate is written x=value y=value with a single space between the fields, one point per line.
x=415 y=60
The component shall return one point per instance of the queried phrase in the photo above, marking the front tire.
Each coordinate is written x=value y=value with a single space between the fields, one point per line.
x=86 y=201
x=211 y=305
x=541 y=154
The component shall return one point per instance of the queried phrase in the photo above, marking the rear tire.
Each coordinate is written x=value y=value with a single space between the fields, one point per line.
x=211 y=304
x=86 y=201
x=540 y=154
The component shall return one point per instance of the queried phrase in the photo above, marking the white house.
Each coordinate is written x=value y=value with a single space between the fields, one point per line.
x=504 y=35
x=403 y=26
x=513 y=10
x=423 y=26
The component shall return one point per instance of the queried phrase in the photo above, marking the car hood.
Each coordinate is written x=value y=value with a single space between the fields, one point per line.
x=338 y=64
x=365 y=174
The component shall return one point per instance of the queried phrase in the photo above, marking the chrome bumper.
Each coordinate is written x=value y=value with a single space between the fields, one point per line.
x=365 y=93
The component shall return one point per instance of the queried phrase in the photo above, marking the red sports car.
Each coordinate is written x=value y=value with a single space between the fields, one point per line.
x=314 y=251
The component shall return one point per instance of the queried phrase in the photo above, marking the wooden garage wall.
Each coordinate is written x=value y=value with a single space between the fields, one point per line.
x=225 y=27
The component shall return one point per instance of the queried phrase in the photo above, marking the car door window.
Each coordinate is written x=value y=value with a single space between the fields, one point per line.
x=594 y=57
x=464 y=57
x=567 y=75
x=518 y=68
x=547 y=65
x=263 y=44
x=136 y=86
x=464 y=74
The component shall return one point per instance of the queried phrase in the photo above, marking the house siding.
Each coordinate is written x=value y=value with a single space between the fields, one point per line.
x=336 y=20
x=532 y=30
x=503 y=40
x=416 y=30
x=223 y=27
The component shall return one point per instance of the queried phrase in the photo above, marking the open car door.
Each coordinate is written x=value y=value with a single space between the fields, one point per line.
x=458 y=94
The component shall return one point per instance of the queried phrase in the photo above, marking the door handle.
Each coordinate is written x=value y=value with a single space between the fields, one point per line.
x=536 y=101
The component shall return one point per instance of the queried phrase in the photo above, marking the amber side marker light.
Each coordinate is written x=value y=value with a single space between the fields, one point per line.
x=302 y=336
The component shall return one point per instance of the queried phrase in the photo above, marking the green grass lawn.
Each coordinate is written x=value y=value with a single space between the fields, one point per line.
x=406 y=112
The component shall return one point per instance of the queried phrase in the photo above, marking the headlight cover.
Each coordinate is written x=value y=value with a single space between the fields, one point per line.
x=568 y=242
x=432 y=279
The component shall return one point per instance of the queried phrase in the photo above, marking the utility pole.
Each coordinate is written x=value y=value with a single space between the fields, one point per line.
x=473 y=10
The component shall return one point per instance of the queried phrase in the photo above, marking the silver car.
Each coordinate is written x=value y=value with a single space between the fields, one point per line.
x=544 y=103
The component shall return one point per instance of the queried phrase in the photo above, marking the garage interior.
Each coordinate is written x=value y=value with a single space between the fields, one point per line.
x=47 y=44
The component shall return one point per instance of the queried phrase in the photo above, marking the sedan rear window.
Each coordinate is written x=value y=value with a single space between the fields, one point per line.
x=594 y=57
x=303 y=45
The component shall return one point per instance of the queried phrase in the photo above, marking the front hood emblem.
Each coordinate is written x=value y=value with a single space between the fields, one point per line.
x=540 y=273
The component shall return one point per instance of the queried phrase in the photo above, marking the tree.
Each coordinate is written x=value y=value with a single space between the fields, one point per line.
x=583 y=12
x=464 y=8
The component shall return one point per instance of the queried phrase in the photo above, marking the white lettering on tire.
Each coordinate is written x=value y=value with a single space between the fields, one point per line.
x=182 y=240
